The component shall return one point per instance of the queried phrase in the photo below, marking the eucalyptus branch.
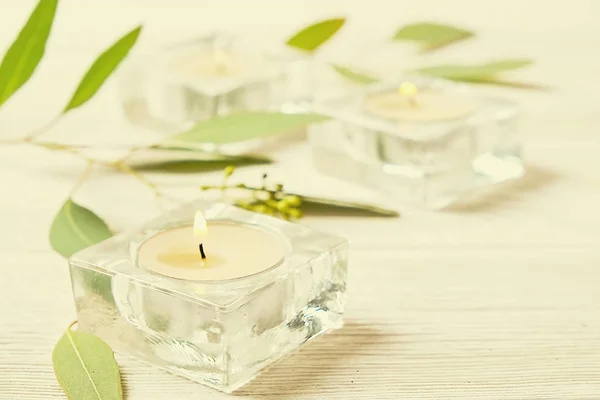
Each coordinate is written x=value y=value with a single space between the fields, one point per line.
x=263 y=199
x=140 y=177
x=131 y=152
x=64 y=146
x=76 y=150
x=11 y=141
x=42 y=129
x=69 y=149
x=54 y=146
x=84 y=176
x=128 y=170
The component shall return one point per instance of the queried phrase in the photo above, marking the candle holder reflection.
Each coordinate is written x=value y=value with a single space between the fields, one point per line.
x=449 y=145
x=220 y=320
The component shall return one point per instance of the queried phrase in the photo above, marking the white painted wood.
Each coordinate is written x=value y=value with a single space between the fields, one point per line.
x=499 y=301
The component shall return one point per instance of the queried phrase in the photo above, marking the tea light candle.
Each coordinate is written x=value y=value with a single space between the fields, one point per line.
x=232 y=250
x=218 y=64
x=410 y=104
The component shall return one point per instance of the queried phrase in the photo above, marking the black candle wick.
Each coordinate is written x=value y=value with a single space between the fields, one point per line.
x=201 y=246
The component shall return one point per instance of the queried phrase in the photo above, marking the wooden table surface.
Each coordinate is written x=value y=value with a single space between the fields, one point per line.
x=498 y=301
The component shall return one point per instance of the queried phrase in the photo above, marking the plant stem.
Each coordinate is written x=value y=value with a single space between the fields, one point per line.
x=86 y=174
x=119 y=165
x=54 y=146
x=76 y=150
x=72 y=147
x=243 y=187
x=128 y=170
x=42 y=129
x=11 y=141
x=131 y=152
x=153 y=186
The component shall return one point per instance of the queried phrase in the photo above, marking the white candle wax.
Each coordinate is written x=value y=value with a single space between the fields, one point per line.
x=218 y=64
x=426 y=106
x=232 y=251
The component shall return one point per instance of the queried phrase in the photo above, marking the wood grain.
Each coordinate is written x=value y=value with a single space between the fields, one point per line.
x=498 y=300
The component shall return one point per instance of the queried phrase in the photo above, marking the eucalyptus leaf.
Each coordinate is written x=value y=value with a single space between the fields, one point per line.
x=475 y=73
x=432 y=35
x=192 y=165
x=512 y=84
x=25 y=53
x=102 y=68
x=323 y=206
x=244 y=126
x=354 y=75
x=313 y=36
x=86 y=368
x=191 y=149
x=75 y=227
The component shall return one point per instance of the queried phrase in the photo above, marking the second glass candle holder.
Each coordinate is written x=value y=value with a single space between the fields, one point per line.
x=213 y=75
x=428 y=141
x=266 y=287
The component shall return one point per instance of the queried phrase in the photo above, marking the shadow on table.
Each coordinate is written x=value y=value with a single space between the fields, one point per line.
x=535 y=178
x=312 y=369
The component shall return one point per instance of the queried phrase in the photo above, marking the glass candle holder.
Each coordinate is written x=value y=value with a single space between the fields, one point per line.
x=213 y=75
x=427 y=141
x=219 y=327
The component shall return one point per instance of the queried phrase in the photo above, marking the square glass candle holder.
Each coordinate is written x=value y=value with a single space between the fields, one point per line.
x=213 y=75
x=219 y=330
x=436 y=146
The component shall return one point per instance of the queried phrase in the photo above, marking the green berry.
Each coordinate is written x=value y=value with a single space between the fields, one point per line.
x=244 y=204
x=295 y=213
x=283 y=206
x=272 y=203
x=229 y=171
x=260 y=208
x=292 y=200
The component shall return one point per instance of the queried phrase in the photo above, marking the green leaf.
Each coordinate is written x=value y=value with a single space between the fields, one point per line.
x=102 y=68
x=74 y=228
x=323 y=206
x=313 y=36
x=193 y=149
x=25 y=53
x=432 y=35
x=86 y=368
x=474 y=73
x=511 y=84
x=244 y=126
x=355 y=76
x=209 y=163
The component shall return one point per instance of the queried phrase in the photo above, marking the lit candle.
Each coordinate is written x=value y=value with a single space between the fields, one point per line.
x=200 y=232
x=216 y=64
x=410 y=104
x=231 y=250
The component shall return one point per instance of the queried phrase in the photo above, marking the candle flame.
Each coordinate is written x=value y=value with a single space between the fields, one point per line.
x=200 y=227
x=408 y=89
x=221 y=60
